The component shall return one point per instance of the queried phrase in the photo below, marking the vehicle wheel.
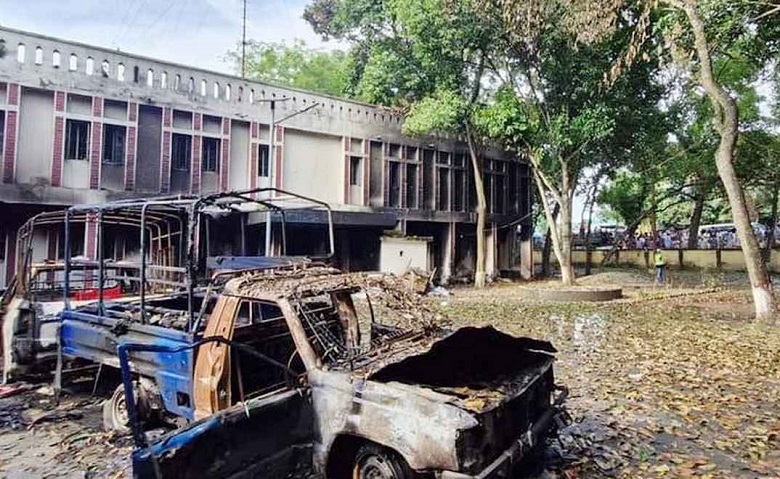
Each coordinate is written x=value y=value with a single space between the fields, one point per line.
x=115 y=416
x=375 y=462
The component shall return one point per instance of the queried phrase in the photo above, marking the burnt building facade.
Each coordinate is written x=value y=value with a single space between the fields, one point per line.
x=83 y=124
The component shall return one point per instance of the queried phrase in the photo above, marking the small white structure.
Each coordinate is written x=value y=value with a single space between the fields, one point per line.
x=399 y=254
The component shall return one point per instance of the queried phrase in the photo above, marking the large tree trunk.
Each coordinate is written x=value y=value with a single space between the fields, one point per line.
x=563 y=252
x=560 y=228
x=728 y=130
x=693 y=229
x=479 y=187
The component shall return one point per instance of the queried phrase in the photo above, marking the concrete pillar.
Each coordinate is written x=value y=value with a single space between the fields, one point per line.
x=447 y=253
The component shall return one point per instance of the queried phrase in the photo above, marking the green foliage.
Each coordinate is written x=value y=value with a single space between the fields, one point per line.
x=626 y=196
x=441 y=112
x=295 y=65
x=509 y=119
x=406 y=50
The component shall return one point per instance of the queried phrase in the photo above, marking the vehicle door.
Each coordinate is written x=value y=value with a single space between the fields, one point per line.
x=262 y=422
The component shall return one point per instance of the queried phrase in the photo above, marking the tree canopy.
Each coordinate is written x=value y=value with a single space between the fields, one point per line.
x=295 y=65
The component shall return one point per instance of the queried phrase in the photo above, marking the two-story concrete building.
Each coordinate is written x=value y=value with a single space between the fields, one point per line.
x=86 y=124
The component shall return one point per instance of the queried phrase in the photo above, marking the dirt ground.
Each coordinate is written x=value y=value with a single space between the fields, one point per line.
x=670 y=382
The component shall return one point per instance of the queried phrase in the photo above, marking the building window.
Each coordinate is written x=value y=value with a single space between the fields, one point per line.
x=73 y=65
x=394 y=195
x=210 y=161
x=240 y=94
x=90 y=67
x=458 y=190
x=106 y=68
x=177 y=82
x=263 y=161
x=394 y=151
x=113 y=145
x=120 y=72
x=191 y=85
x=251 y=95
x=182 y=151
x=411 y=185
x=164 y=80
x=355 y=170
x=227 y=92
x=444 y=190
x=56 y=59
x=20 y=53
x=150 y=77
x=39 y=56
x=76 y=139
x=203 y=88
x=215 y=93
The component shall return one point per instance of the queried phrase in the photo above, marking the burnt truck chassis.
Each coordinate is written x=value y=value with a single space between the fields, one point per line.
x=421 y=401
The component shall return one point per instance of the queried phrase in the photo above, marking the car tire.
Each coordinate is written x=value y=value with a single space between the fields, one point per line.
x=376 y=462
x=115 y=416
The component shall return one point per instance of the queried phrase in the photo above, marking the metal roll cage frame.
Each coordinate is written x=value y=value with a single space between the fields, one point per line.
x=154 y=213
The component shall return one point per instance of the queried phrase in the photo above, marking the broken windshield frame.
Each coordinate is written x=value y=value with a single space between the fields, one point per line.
x=347 y=324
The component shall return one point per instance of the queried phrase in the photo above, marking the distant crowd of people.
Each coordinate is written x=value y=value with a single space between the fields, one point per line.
x=720 y=236
x=708 y=238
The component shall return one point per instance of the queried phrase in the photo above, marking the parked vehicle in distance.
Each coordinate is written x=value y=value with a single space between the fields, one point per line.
x=351 y=375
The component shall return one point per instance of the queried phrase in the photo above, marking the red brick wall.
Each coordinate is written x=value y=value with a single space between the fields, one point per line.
x=59 y=101
x=253 y=159
x=132 y=111
x=59 y=138
x=165 y=164
x=94 y=161
x=97 y=140
x=130 y=150
x=11 y=118
x=56 y=157
x=130 y=159
x=195 y=171
x=90 y=249
x=224 y=168
x=13 y=94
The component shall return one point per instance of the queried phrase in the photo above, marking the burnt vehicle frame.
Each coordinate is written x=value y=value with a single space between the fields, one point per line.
x=31 y=303
x=387 y=402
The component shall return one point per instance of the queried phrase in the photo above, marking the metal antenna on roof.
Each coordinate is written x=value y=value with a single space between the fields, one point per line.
x=243 y=44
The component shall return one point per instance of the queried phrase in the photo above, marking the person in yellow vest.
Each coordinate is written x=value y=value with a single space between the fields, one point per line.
x=660 y=266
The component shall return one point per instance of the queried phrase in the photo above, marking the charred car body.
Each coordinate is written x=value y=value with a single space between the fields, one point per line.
x=353 y=375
